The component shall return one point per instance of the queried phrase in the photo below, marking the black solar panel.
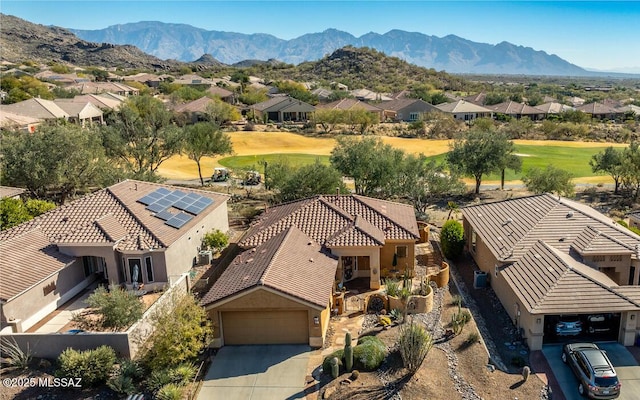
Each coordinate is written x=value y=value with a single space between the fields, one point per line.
x=179 y=220
x=164 y=215
x=160 y=200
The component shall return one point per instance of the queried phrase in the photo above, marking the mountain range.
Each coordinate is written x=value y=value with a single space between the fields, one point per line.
x=450 y=53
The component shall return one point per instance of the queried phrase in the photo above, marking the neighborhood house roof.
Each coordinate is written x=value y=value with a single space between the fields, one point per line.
x=109 y=217
x=337 y=221
x=553 y=108
x=350 y=104
x=79 y=110
x=462 y=106
x=401 y=103
x=548 y=281
x=289 y=262
x=199 y=105
x=36 y=108
x=8 y=191
x=283 y=103
x=511 y=227
x=597 y=109
x=514 y=108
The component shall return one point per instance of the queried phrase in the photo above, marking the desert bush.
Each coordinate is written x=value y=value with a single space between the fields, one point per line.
x=183 y=374
x=369 y=353
x=13 y=357
x=179 y=335
x=456 y=300
x=122 y=384
x=414 y=344
x=117 y=309
x=396 y=314
x=472 y=338
x=452 y=239
x=92 y=366
x=326 y=363
x=170 y=391
x=459 y=319
x=215 y=240
x=392 y=287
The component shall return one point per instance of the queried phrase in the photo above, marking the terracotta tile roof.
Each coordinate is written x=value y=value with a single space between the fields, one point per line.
x=597 y=109
x=26 y=259
x=350 y=104
x=401 y=103
x=334 y=219
x=462 y=106
x=8 y=191
x=553 y=108
x=548 y=281
x=289 y=262
x=592 y=241
x=218 y=91
x=36 y=108
x=283 y=103
x=512 y=107
x=511 y=227
x=199 y=105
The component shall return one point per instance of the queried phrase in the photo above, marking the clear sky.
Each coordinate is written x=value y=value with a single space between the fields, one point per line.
x=592 y=34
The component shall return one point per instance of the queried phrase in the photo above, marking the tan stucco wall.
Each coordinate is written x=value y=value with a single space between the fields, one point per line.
x=180 y=255
x=389 y=249
x=106 y=251
x=262 y=299
x=628 y=328
x=634 y=222
x=36 y=303
x=618 y=271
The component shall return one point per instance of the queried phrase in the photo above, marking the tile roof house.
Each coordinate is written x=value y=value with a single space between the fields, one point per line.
x=547 y=256
x=130 y=229
x=102 y=87
x=517 y=110
x=11 y=192
x=407 y=109
x=368 y=95
x=465 y=111
x=36 y=108
x=281 y=109
x=82 y=113
x=224 y=94
x=10 y=120
x=295 y=255
x=600 y=111
x=353 y=104
x=553 y=108
x=477 y=99
x=103 y=101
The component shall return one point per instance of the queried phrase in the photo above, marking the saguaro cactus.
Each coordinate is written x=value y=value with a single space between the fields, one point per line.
x=348 y=352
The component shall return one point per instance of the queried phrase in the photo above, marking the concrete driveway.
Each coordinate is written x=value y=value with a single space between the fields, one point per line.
x=266 y=372
x=624 y=363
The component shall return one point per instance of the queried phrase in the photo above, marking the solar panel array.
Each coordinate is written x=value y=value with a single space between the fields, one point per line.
x=161 y=200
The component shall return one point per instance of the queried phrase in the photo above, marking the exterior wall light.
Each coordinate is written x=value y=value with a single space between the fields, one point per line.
x=316 y=320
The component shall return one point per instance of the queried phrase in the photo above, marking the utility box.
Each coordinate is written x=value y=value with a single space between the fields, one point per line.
x=480 y=279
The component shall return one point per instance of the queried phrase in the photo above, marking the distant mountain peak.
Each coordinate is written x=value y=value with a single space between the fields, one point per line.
x=450 y=53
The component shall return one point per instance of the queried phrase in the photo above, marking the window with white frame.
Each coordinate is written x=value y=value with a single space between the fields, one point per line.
x=402 y=251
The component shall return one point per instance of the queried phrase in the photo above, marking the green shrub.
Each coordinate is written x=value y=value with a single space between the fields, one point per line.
x=392 y=287
x=117 y=309
x=215 y=240
x=92 y=366
x=414 y=344
x=384 y=320
x=396 y=314
x=369 y=354
x=456 y=300
x=183 y=374
x=170 y=391
x=157 y=379
x=326 y=363
x=452 y=239
x=459 y=319
x=13 y=356
x=122 y=384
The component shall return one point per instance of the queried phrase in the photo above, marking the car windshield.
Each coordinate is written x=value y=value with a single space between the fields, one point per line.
x=606 y=381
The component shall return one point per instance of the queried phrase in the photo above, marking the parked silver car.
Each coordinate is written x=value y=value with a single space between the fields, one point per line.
x=597 y=379
x=569 y=325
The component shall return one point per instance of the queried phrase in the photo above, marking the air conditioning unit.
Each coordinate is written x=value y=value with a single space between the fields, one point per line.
x=204 y=257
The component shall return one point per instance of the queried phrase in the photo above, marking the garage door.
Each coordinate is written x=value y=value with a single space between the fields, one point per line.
x=265 y=327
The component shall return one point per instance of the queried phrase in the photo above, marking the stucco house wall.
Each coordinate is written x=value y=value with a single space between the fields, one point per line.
x=44 y=297
x=389 y=249
x=266 y=300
